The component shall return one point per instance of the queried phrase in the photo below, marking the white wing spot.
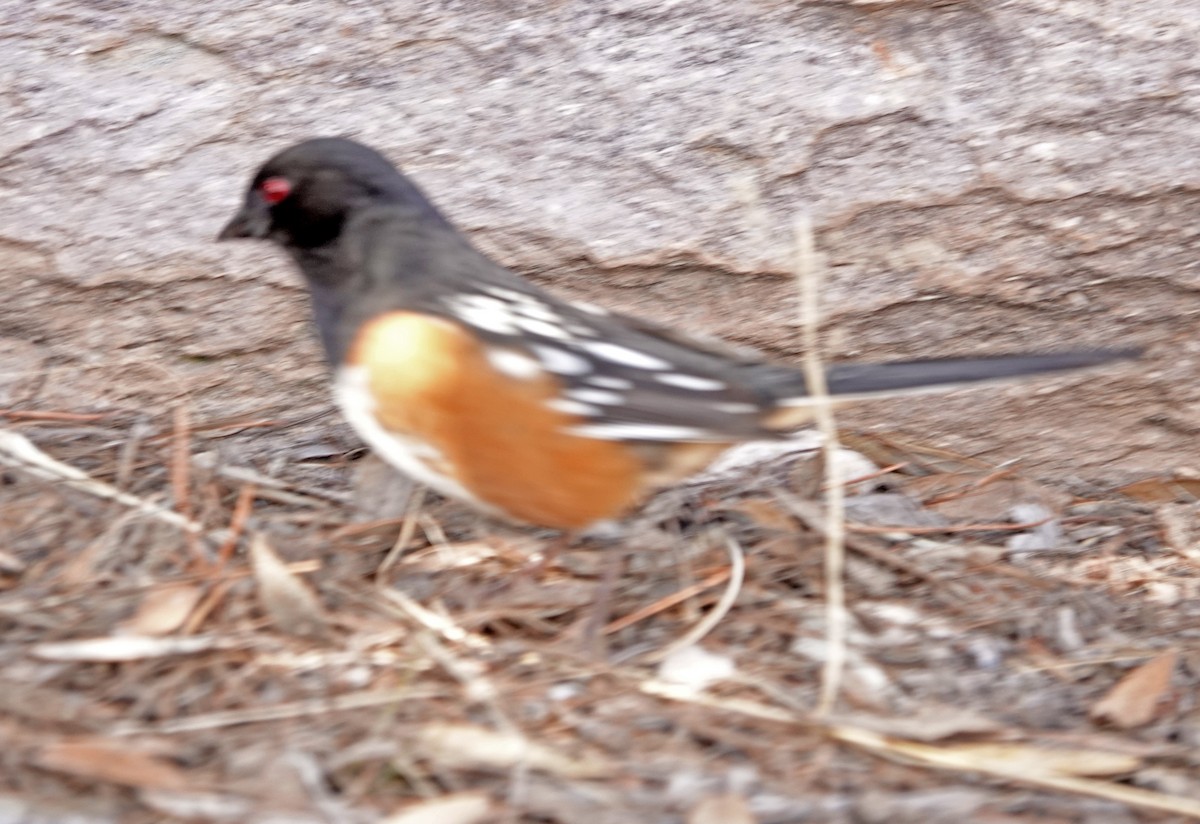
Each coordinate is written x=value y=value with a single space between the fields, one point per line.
x=590 y=308
x=603 y=396
x=541 y=327
x=579 y=330
x=735 y=408
x=624 y=356
x=560 y=361
x=609 y=382
x=514 y=364
x=536 y=310
x=570 y=407
x=489 y=314
x=694 y=382
x=642 y=432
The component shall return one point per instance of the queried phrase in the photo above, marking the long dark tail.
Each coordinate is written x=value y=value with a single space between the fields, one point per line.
x=865 y=380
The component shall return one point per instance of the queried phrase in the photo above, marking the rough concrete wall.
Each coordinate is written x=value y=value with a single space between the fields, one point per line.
x=982 y=175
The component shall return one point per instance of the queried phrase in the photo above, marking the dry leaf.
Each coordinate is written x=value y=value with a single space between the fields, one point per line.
x=722 y=809
x=112 y=761
x=1181 y=527
x=1163 y=490
x=164 y=609
x=197 y=806
x=471 y=747
x=1028 y=765
x=935 y=723
x=289 y=603
x=460 y=808
x=1030 y=759
x=127 y=648
x=1134 y=699
x=1015 y=760
x=451 y=556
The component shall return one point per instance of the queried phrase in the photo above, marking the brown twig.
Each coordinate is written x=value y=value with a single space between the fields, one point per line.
x=949 y=528
x=181 y=479
x=972 y=487
x=666 y=602
x=879 y=473
x=206 y=606
x=65 y=417
x=237 y=524
x=737 y=575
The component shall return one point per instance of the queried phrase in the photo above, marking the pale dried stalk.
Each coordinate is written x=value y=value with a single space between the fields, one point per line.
x=930 y=755
x=17 y=452
x=808 y=277
x=737 y=574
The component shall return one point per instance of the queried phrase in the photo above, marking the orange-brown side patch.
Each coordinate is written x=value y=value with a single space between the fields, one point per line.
x=433 y=382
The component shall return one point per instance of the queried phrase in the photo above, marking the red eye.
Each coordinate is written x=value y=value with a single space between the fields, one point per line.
x=275 y=189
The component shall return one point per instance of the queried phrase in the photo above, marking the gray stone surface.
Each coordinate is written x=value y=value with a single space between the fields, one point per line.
x=982 y=176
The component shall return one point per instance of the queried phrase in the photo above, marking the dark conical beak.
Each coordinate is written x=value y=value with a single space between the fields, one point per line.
x=253 y=220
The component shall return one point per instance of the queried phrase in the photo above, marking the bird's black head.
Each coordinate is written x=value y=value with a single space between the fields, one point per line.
x=301 y=197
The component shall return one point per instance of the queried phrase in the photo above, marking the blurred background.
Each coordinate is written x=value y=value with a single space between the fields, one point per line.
x=982 y=178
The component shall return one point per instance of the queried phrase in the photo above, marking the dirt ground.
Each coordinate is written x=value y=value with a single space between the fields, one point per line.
x=1015 y=651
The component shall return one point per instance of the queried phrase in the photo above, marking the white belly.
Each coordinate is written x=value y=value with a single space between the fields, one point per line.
x=412 y=457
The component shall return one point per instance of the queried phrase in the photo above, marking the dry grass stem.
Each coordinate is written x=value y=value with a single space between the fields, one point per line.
x=808 y=276
x=18 y=452
x=737 y=574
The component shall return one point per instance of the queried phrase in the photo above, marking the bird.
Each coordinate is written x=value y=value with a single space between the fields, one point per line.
x=529 y=406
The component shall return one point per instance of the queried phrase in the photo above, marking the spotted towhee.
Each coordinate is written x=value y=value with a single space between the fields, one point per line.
x=488 y=389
